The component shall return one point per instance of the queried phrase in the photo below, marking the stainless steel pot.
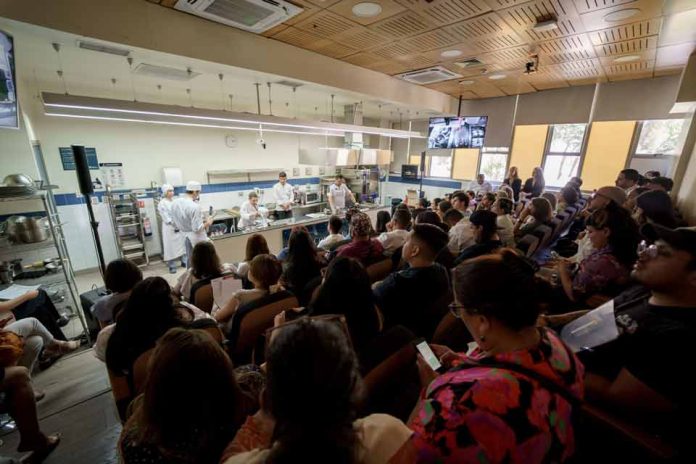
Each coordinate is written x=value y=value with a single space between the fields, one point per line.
x=31 y=230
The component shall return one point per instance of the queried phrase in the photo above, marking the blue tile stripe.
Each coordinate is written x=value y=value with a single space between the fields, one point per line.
x=65 y=199
x=453 y=184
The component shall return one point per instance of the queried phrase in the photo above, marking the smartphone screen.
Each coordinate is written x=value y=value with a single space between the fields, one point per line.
x=428 y=355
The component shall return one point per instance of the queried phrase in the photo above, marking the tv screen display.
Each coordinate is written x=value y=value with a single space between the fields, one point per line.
x=467 y=132
x=8 y=90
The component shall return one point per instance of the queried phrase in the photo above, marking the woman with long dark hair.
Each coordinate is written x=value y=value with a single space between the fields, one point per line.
x=302 y=265
x=514 y=181
x=383 y=218
x=204 y=264
x=534 y=186
x=256 y=245
x=310 y=405
x=191 y=407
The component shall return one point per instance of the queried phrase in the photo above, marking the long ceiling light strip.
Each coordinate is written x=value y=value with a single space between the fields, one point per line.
x=153 y=109
x=173 y=123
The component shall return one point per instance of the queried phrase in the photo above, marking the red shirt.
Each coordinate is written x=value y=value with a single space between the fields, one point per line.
x=365 y=251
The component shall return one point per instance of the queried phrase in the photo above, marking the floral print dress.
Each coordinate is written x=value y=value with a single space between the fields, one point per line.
x=477 y=413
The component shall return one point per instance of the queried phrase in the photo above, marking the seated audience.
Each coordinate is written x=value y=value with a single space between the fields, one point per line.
x=264 y=273
x=642 y=373
x=486 y=202
x=346 y=290
x=505 y=191
x=120 y=277
x=416 y=211
x=362 y=247
x=631 y=199
x=442 y=208
x=655 y=206
x=310 y=406
x=486 y=240
x=397 y=231
x=576 y=183
x=452 y=217
x=513 y=180
x=553 y=200
x=460 y=235
x=628 y=180
x=191 y=406
x=568 y=196
x=512 y=399
x=480 y=186
x=403 y=297
x=20 y=404
x=36 y=304
x=205 y=265
x=335 y=236
x=302 y=265
x=664 y=184
x=599 y=199
x=383 y=218
x=538 y=211
x=614 y=238
x=428 y=217
x=148 y=314
x=422 y=203
x=255 y=245
x=503 y=208
x=652 y=174
x=435 y=204
x=534 y=186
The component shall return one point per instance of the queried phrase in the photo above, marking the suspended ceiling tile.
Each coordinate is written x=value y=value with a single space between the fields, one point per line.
x=523 y=17
x=345 y=9
x=325 y=24
x=509 y=58
x=626 y=32
x=628 y=47
x=361 y=38
x=449 y=87
x=628 y=70
x=406 y=24
x=443 y=12
x=502 y=4
x=487 y=25
x=436 y=55
x=669 y=71
x=299 y=38
x=363 y=59
x=550 y=84
x=575 y=47
x=387 y=67
x=674 y=55
x=414 y=62
x=320 y=3
x=309 y=10
x=588 y=6
x=334 y=50
x=274 y=30
x=486 y=90
x=437 y=38
x=393 y=50
x=644 y=9
x=516 y=87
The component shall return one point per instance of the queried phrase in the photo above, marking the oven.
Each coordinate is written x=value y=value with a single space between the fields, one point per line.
x=310 y=198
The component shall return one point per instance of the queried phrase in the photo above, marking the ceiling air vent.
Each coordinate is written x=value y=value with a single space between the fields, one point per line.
x=429 y=75
x=251 y=15
x=470 y=63
x=165 y=72
x=97 y=47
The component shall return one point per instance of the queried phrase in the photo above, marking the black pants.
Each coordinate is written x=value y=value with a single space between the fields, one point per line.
x=43 y=309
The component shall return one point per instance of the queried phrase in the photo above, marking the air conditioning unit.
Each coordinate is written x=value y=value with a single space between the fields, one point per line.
x=251 y=15
x=429 y=76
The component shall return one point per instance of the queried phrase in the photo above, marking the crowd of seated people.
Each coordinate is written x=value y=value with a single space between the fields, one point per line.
x=514 y=396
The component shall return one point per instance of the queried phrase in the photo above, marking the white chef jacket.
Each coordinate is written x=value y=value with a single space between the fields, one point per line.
x=172 y=239
x=480 y=189
x=283 y=195
x=339 y=195
x=248 y=213
x=187 y=217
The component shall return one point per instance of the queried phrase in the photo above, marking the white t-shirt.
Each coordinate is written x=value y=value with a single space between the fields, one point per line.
x=392 y=241
x=250 y=214
x=480 y=189
x=505 y=230
x=461 y=236
x=326 y=243
x=283 y=195
x=338 y=194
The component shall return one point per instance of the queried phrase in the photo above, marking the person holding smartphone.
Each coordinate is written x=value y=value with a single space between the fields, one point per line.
x=516 y=371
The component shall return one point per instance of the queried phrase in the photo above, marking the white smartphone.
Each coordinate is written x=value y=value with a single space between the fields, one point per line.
x=427 y=353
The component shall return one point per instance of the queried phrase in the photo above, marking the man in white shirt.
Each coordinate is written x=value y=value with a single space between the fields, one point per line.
x=187 y=217
x=284 y=197
x=461 y=235
x=173 y=241
x=335 y=236
x=396 y=234
x=480 y=186
x=339 y=195
x=251 y=212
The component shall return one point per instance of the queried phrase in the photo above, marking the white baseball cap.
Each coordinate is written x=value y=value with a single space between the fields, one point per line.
x=167 y=187
x=193 y=186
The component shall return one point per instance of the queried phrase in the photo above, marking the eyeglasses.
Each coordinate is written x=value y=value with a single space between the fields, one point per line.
x=337 y=319
x=649 y=251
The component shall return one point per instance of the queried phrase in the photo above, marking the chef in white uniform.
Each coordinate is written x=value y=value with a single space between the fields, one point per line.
x=187 y=217
x=173 y=246
x=339 y=195
x=284 y=197
x=251 y=212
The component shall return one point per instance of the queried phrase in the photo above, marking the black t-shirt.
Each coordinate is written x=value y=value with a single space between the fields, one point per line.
x=416 y=298
x=478 y=249
x=655 y=344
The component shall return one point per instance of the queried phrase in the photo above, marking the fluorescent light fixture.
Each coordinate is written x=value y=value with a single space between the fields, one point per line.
x=367 y=9
x=620 y=15
x=451 y=53
x=101 y=108
x=546 y=26
x=497 y=76
x=626 y=58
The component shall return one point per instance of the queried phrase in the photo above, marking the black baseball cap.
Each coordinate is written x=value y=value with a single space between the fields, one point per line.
x=681 y=238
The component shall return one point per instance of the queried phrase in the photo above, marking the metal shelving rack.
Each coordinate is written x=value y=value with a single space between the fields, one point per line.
x=56 y=241
x=127 y=222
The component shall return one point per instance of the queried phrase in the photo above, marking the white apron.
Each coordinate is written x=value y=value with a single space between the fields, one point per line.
x=172 y=242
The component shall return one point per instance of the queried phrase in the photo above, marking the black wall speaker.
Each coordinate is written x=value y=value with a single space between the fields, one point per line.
x=82 y=168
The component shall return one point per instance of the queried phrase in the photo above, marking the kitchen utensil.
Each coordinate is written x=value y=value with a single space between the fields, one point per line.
x=18 y=180
x=32 y=230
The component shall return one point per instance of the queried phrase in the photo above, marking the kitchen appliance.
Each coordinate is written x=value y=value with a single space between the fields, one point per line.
x=27 y=229
x=309 y=198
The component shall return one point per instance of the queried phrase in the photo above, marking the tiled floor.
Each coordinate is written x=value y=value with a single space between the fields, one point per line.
x=78 y=400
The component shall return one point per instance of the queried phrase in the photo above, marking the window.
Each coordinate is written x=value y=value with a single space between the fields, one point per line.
x=440 y=166
x=660 y=137
x=528 y=148
x=493 y=162
x=563 y=155
x=465 y=163
x=607 y=150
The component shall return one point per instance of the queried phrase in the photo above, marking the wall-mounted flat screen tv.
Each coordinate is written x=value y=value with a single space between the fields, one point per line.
x=466 y=132
x=9 y=114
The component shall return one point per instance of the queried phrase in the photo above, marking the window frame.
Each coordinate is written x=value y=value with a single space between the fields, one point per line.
x=580 y=155
x=498 y=151
x=429 y=162
x=636 y=140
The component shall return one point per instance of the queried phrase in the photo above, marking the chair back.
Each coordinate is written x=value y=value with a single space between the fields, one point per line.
x=252 y=320
x=386 y=381
x=528 y=244
x=545 y=234
x=379 y=270
x=203 y=298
